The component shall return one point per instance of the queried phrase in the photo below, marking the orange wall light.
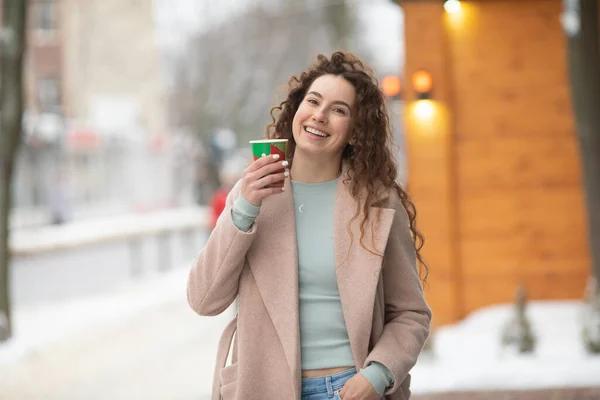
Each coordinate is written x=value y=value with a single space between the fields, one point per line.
x=422 y=84
x=391 y=86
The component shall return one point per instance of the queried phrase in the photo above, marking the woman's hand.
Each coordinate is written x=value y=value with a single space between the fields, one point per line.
x=259 y=175
x=358 y=388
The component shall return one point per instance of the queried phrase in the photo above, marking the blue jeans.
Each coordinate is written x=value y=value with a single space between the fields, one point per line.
x=326 y=387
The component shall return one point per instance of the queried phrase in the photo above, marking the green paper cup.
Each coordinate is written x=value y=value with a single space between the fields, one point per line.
x=267 y=147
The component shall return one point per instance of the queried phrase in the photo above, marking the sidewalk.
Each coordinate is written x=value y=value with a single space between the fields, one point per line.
x=140 y=342
x=541 y=394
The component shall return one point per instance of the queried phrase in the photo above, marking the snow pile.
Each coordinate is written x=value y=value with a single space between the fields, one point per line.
x=469 y=355
x=33 y=241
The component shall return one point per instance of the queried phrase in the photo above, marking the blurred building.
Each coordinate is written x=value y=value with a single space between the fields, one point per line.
x=493 y=160
x=95 y=109
x=112 y=65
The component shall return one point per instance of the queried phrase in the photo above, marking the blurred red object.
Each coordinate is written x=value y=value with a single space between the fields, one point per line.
x=217 y=205
x=83 y=138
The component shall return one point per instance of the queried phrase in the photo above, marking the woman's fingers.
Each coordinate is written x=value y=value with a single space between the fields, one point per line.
x=270 y=179
x=261 y=162
x=269 y=169
x=260 y=175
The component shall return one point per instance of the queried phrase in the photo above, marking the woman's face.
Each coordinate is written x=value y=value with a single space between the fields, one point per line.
x=323 y=122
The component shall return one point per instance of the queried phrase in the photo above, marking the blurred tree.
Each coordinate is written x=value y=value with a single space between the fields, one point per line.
x=228 y=74
x=340 y=21
x=591 y=317
x=518 y=332
x=11 y=114
x=580 y=22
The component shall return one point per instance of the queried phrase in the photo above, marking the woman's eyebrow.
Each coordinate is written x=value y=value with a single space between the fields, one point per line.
x=335 y=102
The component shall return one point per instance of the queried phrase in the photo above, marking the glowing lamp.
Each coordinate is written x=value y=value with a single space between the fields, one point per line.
x=422 y=84
x=424 y=109
x=391 y=86
x=452 y=6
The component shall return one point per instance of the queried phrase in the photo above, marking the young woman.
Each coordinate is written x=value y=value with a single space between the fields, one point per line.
x=325 y=268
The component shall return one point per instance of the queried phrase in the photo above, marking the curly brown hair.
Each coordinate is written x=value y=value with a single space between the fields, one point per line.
x=369 y=156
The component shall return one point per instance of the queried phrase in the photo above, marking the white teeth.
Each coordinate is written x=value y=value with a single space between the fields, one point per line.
x=316 y=132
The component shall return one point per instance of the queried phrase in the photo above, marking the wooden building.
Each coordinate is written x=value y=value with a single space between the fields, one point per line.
x=493 y=158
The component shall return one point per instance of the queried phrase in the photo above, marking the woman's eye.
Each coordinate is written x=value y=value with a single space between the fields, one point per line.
x=340 y=111
x=312 y=101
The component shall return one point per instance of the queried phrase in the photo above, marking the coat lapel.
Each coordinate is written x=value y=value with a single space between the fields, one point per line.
x=273 y=260
x=357 y=269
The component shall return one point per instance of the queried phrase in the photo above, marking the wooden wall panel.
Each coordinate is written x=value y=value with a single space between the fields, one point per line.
x=554 y=285
x=520 y=202
x=511 y=162
x=553 y=211
x=491 y=256
x=498 y=188
x=488 y=213
x=544 y=113
x=510 y=69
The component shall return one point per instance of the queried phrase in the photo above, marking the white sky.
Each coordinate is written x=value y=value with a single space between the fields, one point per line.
x=382 y=20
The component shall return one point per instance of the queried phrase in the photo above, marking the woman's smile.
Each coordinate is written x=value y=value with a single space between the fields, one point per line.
x=316 y=133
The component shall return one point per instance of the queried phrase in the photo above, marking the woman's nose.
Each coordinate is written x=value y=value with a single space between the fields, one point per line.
x=320 y=116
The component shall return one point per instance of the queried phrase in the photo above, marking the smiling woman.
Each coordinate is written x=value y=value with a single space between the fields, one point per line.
x=353 y=98
x=321 y=129
x=327 y=274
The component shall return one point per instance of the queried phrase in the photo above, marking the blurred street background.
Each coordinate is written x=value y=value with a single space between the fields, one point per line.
x=136 y=117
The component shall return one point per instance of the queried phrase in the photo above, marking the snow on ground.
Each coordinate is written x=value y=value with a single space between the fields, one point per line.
x=468 y=355
x=146 y=343
x=37 y=326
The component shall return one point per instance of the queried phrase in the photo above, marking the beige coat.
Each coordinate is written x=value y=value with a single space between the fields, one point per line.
x=382 y=301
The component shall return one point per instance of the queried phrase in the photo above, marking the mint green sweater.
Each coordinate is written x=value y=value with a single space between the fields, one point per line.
x=323 y=335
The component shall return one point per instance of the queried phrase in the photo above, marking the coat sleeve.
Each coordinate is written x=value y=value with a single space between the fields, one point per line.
x=407 y=315
x=213 y=281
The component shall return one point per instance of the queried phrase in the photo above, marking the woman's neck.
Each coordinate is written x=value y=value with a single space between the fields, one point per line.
x=314 y=170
